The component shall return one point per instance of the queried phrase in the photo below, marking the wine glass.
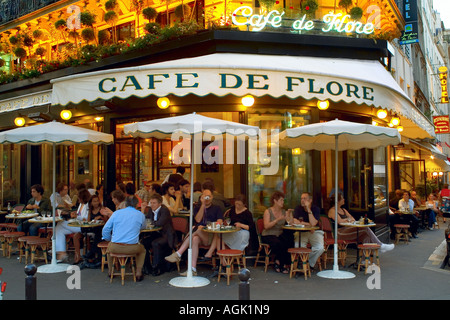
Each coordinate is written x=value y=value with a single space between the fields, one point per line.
x=228 y=221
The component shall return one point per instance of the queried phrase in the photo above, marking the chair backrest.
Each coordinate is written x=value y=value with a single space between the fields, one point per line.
x=180 y=224
x=19 y=207
x=260 y=225
x=326 y=226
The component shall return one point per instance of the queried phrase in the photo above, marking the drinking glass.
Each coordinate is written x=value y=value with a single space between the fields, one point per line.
x=228 y=221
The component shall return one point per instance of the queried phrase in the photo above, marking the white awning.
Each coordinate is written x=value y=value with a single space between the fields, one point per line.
x=349 y=80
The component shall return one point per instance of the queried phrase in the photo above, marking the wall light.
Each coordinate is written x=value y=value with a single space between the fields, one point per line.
x=66 y=114
x=248 y=100
x=400 y=129
x=163 y=103
x=381 y=114
x=395 y=121
x=98 y=119
x=323 y=105
x=19 y=121
x=374 y=123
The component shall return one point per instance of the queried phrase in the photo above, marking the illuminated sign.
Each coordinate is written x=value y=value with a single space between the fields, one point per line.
x=243 y=16
x=411 y=33
x=441 y=124
x=443 y=81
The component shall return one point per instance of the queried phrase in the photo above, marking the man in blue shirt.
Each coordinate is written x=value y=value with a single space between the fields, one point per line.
x=206 y=212
x=122 y=230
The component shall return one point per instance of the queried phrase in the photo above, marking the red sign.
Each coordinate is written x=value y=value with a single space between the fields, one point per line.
x=441 y=124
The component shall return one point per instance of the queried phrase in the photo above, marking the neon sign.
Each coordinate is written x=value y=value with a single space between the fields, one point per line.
x=243 y=16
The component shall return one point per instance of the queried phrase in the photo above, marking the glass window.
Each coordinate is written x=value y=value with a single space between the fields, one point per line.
x=10 y=170
x=294 y=174
x=380 y=177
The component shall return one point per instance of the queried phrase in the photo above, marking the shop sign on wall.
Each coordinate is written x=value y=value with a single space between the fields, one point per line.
x=443 y=81
x=411 y=32
x=441 y=124
x=26 y=101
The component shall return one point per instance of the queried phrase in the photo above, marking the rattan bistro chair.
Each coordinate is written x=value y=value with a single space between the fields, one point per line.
x=267 y=251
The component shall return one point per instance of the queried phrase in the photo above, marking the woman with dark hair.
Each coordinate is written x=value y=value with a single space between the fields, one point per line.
x=168 y=190
x=95 y=206
x=279 y=241
x=365 y=235
x=238 y=216
x=62 y=228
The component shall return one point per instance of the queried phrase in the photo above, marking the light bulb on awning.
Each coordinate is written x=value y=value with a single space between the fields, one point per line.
x=248 y=100
x=66 y=114
x=19 y=121
x=381 y=114
x=323 y=105
x=163 y=103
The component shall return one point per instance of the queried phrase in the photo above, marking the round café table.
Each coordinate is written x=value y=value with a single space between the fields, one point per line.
x=220 y=231
x=21 y=216
x=153 y=229
x=300 y=228
x=45 y=221
x=357 y=225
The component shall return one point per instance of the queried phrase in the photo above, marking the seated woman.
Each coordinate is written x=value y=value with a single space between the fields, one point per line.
x=62 y=228
x=239 y=216
x=168 y=190
x=95 y=207
x=365 y=235
x=432 y=210
x=279 y=241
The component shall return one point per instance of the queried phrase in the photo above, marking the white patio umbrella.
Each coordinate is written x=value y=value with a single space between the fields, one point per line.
x=194 y=125
x=338 y=135
x=54 y=133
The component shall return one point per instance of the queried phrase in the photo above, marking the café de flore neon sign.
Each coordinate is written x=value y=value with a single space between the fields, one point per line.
x=243 y=16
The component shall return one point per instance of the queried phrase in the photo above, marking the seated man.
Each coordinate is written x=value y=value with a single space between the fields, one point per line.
x=310 y=214
x=123 y=229
x=206 y=212
x=162 y=241
x=38 y=203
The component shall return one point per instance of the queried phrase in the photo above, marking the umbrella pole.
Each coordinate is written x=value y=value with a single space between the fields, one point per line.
x=190 y=281
x=53 y=267
x=336 y=273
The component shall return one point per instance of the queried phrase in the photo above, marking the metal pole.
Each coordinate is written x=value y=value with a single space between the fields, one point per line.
x=244 y=286
x=30 y=282
x=336 y=190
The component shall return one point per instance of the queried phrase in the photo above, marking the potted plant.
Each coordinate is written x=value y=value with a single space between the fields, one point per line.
x=150 y=13
x=356 y=13
x=309 y=7
x=103 y=36
x=88 y=35
x=345 y=4
x=182 y=12
x=111 y=18
x=40 y=52
x=267 y=4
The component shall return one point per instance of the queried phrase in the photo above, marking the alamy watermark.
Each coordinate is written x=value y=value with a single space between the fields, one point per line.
x=263 y=148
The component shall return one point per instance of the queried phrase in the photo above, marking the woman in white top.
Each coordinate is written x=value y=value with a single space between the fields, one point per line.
x=62 y=228
x=168 y=191
x=432 y=210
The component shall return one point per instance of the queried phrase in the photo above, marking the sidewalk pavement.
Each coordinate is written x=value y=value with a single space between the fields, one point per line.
x=409 y=272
